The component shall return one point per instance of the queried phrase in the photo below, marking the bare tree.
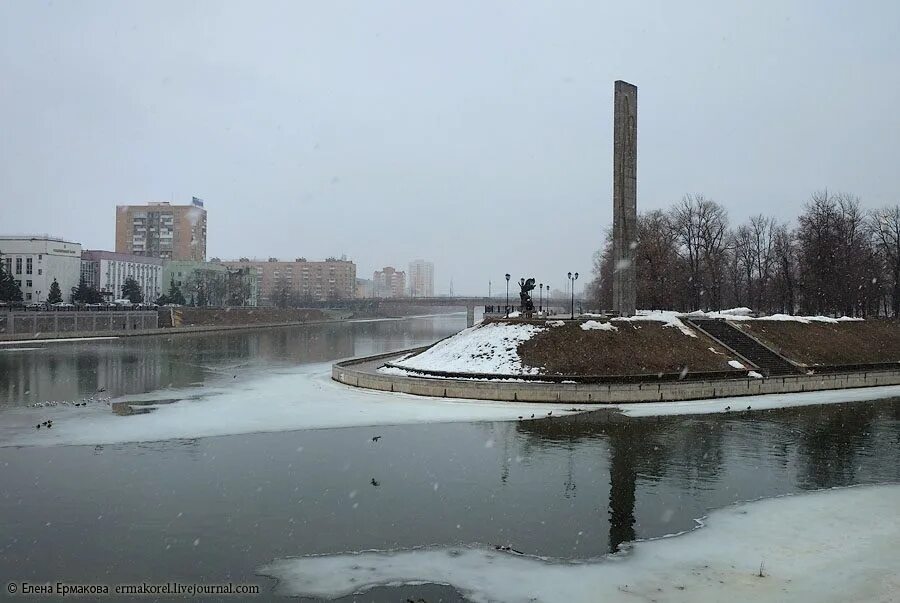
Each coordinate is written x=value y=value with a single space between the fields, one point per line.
x=701 y=230
x=599 y=290
x=785 y=275
x=884 y=225
x=659 y=274
x=762 y=239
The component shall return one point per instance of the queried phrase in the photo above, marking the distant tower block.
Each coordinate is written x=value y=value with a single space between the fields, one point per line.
x=624 y=283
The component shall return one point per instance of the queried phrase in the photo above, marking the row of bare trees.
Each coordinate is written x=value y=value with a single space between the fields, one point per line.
x=838 y=259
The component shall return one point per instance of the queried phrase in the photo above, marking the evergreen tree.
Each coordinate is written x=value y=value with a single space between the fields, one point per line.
x=9 y=291
x=55 y=295
x=132 y=291
x=85 y=294
x=174 y=296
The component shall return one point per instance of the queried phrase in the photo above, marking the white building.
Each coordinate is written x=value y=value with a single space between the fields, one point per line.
x=106 y=271
x=421 y=278
x=35 y=261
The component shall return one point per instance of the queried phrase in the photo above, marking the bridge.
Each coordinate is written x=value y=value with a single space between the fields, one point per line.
x=469 y=303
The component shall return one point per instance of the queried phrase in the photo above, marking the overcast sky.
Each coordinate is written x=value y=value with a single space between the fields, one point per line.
x=475 y=134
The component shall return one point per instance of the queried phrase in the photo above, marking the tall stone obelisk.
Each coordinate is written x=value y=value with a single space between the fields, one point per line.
x=624 y=283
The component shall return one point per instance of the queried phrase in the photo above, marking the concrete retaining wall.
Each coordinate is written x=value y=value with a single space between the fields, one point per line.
x=361 y=372
x=64 y=323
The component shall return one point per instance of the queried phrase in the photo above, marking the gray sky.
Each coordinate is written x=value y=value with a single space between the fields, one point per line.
x=473 y=134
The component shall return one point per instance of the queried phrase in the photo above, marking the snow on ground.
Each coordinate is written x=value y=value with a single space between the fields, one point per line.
x=593 y=325
x=736 y=364
x=832 y=545
x=306 y=398
x=744 y=314
x=490 y=348
x=761 y=402
x=808 y=319
x=669 y=319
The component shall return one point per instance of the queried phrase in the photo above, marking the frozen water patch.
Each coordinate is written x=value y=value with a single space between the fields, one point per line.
x=490 y=348
x=276 y=401
x=822 y=546
x=761 y=402
x=594 y=325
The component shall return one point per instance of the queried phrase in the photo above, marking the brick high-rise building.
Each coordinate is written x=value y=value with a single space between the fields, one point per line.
x=421 y=278
x=162 y=230
x=293 y=283
x=389 y=282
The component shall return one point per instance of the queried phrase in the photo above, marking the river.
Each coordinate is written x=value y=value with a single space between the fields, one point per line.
x=215 y=509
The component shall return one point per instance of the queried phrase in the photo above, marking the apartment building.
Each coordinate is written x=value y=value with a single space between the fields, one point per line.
x=421 y=278
x=389 y=282
x=295 y=282
x=162 y=230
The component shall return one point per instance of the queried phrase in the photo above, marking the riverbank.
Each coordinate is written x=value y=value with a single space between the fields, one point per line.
x=655 y=357
x=323 y=317
x=81 y=335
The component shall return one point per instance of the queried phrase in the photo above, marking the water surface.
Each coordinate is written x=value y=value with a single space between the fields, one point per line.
x=216 y=509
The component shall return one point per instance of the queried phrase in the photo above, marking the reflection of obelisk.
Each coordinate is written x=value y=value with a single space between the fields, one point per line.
x=624 y=198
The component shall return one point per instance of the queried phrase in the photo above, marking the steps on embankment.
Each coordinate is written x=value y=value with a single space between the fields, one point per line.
x=767 y=361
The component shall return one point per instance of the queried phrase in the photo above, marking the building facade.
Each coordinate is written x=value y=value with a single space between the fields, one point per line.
x=301 y=281
x=162 y=230
x=421 y=279
x=106 y=271
x=201 y=283
x=36 y=261
x=389 y=282
x=364 y=288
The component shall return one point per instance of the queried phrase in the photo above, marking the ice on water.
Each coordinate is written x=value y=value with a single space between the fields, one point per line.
x=821 y=546
x=304 y=398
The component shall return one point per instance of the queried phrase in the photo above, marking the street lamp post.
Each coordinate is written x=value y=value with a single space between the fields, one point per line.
x=547 y=287
x=507 y=295
x=541 y=298
x=572 y=279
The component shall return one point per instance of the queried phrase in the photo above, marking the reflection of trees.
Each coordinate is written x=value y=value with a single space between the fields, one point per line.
x=830 y=441
x=637 y=447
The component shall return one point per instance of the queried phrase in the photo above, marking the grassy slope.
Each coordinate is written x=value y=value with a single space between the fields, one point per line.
x=827 y=343
x=636 y=348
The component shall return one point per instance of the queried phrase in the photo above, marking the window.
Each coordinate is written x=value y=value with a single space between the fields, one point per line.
x=40 y=271
x=18 y=265
x=19 y=284
x=28 y=297
x=28 y=283
x=40 y=256
x=28 y=266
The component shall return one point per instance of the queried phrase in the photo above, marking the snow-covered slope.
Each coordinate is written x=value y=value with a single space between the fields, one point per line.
x=487 y=348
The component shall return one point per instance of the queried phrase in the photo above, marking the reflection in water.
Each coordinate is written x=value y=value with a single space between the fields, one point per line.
x=68 y=371
x=830 y=446
x=622 y=486
x=831 y=443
